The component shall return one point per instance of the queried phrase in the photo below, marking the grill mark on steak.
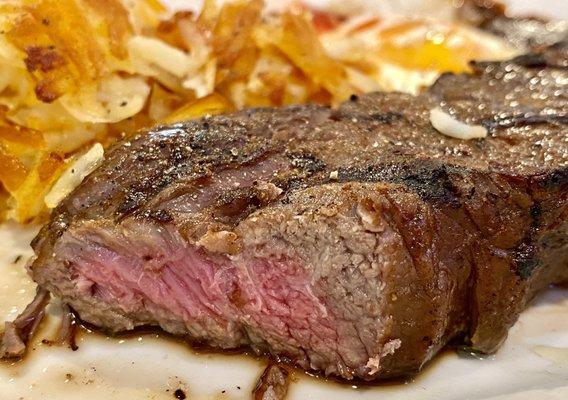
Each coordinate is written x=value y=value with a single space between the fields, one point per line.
x=429 y=180
x=354 y=241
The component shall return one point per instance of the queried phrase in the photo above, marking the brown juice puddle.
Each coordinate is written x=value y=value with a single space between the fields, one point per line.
x=84 y=372
x=84 y=330
x=88 y=335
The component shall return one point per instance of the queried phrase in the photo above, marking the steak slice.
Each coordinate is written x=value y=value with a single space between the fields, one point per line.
x=355 y=242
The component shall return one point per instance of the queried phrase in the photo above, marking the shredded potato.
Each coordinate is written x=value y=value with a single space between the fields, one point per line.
x=78 y=72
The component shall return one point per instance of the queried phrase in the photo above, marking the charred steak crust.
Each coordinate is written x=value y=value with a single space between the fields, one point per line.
x=354 y=241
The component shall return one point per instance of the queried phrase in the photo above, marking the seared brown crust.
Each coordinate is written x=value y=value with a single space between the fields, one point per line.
x=440 y=237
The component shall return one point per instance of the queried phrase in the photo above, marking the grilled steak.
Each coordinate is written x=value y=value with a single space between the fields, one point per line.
x=354 y=241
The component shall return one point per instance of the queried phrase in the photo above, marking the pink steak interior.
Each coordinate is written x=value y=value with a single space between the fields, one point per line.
x=151 y=273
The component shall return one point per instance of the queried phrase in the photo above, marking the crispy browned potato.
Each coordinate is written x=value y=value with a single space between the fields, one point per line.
x=77 y=72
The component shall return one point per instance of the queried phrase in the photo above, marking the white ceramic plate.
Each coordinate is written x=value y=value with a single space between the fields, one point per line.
x=533 y=363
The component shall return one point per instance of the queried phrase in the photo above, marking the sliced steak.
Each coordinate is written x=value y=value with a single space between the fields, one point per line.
x=354 y=241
